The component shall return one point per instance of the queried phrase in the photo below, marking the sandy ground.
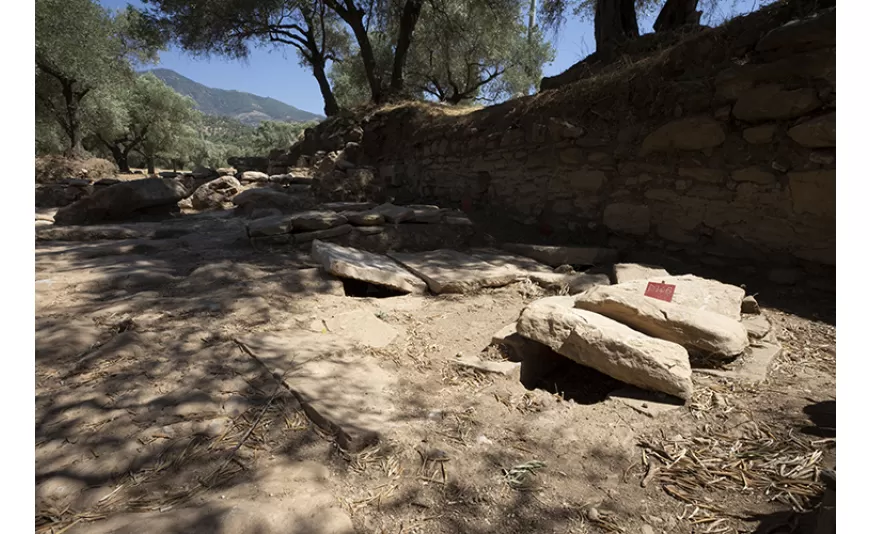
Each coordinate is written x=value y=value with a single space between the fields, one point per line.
x=159 y=407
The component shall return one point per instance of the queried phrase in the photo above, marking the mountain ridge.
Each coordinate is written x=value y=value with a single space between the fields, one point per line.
x=245 y=107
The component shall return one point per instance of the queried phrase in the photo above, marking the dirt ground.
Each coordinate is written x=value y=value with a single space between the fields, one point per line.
x=159 y=407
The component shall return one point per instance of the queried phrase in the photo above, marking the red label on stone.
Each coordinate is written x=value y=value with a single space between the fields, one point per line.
x=659 y=291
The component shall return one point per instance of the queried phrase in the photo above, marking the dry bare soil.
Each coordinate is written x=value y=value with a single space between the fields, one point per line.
x=159 y=407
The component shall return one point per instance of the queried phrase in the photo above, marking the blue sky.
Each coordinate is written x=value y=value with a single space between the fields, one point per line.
x=277 y=73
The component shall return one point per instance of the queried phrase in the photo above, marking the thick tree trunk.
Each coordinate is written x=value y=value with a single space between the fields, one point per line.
x=330 y=104
x=73 y=124
x=149 y=161
x=615 y=22
x=120 y=157
x=677 y=13
x=353 y=16
x=410 y=16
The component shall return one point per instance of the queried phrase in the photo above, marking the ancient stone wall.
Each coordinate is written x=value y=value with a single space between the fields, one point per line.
x=723 y=145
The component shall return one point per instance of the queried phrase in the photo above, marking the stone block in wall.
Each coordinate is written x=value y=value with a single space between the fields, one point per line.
x=586 y=180
x=664 y=195
x=814 y=192
x=627 y=218
x=672 y=230
x=632 y=168
x=773 y=102
x=823 y=157
x=692 y=133
x=759 y=135
x=817 y=31
x=561 y=129
x=600 y=158
x=571 y=156
x=512 y=137
x=709 y=192
x=819 y=132
x=714 y=176
x=733 y=82
x=754 y=175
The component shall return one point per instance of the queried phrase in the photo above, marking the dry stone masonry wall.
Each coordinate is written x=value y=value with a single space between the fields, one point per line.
x=723 y=145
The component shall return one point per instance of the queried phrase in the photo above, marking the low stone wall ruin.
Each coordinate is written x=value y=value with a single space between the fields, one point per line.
x=721 y=146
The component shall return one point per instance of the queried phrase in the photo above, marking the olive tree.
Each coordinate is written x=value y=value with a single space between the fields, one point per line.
x=80 y=48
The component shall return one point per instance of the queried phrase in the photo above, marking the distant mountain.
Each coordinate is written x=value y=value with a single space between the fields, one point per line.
x=244 y=107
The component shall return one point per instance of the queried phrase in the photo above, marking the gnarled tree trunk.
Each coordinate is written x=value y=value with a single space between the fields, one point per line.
x=410 y=16
x=615 y=22
x=677 y=13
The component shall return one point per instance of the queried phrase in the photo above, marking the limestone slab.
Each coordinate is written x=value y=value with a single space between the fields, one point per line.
x=346 y=262
x=449 y=271
x=554 y=256
x=698 y=330
x=696 y=292
x=608 y=346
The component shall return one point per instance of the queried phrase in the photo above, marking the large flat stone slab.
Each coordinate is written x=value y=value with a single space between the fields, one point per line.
x=555 y=256
x=346 y=262
x=695 y=329
x=752 y=366
x=341 y=387
x=608 y=346
x=627 y=272
x=700 y=293
x=362 y=327
x=308 y=221
x=449 y=271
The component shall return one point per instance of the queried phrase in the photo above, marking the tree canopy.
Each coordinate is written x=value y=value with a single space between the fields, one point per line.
x=80 y=48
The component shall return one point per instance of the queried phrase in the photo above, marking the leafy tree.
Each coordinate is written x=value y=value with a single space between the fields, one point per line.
x=273 y=134
x=479 y=50
x=146 y=116
x=80 y=48
x=462 y=51
x=230 y=27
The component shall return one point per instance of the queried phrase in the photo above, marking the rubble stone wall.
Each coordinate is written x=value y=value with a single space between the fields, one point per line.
x=723 y=145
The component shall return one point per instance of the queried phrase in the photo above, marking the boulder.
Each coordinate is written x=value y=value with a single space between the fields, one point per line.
x=699 y=293
x=626 y=272
x=213 y=194
x=612 y=348
x=226 y=171
x=377 y=269
x=426 y=214
x=556 y=256
x=697 y=330
x=305 y=237
x=317 y=220
x=264 y=197
x=204 y=173
x=269 y=226
x=122 y=200
x=366 y=218
x=254 y=176
x=347 y=206
x=449 y=271
x=394 y=214
x=259 y=213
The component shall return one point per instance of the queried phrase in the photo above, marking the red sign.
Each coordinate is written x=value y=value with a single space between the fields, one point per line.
x=659 y=291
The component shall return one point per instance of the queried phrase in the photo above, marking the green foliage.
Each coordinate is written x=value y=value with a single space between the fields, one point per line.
x=462 y=51
x=80 y=49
